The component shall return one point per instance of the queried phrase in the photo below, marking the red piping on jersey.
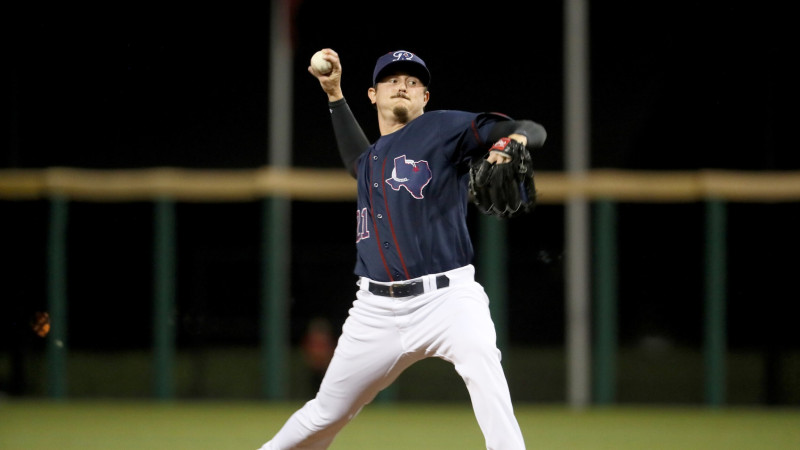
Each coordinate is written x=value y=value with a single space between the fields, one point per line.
x=475 y=127
x=391 y=225
x=374 y=224
x=475 y=132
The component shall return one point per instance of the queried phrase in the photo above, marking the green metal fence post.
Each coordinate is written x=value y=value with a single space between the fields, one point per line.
x=715 y=332
x=57 y=298
x=276 y=244
x=164 y=298
x=493 y=265
x=605 y=274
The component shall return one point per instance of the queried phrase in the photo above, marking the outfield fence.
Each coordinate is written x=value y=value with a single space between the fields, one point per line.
x=165 y=187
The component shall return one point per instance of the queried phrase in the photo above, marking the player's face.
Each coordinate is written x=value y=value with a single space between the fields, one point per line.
x=400 y=95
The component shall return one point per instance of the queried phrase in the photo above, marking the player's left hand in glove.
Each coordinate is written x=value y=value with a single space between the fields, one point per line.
x=504 y=189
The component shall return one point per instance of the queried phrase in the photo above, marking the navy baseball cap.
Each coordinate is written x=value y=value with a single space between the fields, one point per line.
x=401 y=60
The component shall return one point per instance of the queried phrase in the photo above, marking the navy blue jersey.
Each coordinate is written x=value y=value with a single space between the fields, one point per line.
x=412 y=196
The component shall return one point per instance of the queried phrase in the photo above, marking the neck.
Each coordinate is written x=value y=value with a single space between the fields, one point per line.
x=389 y=128
x=391 y=123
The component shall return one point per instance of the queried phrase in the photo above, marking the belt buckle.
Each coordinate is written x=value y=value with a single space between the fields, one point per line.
x=391 y=290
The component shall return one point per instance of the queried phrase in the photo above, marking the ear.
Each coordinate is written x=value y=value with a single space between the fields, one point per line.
x=371 y=94
x=427 y=96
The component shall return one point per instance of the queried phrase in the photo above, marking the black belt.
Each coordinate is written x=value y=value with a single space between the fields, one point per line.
x=406 y=289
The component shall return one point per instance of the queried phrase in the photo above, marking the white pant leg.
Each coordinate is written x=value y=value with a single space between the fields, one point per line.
x=368 y=358
x=479 y=365
x=457 y=326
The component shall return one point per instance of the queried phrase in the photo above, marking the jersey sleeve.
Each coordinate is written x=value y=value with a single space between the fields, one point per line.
x=476 y=137
x=488 y=127
x=535 y=132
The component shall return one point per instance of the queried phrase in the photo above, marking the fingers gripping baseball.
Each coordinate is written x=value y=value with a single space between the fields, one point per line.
x=321 y=65
x=326 y=67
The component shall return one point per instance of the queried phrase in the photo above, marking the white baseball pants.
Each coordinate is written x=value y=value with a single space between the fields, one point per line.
x=383 y=336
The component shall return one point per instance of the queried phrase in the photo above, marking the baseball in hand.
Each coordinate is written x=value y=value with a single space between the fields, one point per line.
x=319 y=63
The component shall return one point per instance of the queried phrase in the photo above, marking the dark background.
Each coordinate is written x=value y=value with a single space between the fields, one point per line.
x=674 y=86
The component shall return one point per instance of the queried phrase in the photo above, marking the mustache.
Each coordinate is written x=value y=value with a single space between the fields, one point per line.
x=400 y=95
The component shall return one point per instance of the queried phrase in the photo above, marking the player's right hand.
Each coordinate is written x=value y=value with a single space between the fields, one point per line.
x=330 y=83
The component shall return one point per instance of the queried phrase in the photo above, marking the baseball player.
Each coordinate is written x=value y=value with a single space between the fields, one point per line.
x=417 y=295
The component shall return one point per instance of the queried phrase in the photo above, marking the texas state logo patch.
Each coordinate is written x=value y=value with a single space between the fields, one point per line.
x=410 y=174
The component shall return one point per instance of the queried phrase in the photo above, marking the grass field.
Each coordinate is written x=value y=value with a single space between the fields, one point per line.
x=32 y=425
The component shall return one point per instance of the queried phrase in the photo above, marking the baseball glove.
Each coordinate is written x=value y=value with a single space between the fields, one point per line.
x=504 y=190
